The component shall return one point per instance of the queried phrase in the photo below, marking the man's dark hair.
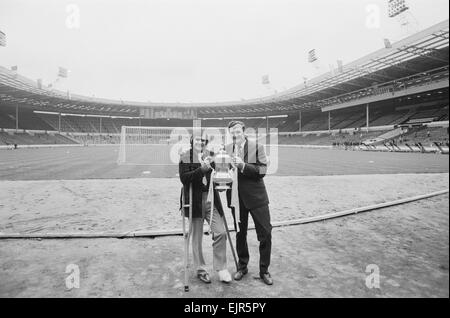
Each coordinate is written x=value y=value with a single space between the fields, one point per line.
x=236 y=122
x=205 y=139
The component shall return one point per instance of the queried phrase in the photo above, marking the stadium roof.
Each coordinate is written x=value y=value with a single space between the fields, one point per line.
x=421 y=52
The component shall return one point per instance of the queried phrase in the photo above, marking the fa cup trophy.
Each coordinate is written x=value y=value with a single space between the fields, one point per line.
x=221 y=180
x=222 y=174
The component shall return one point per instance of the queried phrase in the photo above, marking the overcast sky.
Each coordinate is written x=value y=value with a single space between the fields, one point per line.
x=194 y=50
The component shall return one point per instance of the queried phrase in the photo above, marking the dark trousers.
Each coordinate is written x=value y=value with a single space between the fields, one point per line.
x=261 y=218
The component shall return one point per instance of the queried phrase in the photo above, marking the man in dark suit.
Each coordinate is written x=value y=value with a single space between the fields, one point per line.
x=250 y=159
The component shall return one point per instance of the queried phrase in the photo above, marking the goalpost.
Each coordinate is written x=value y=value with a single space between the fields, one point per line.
x=162 y=145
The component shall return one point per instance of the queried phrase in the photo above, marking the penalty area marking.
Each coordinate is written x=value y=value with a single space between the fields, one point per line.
x=179 y=232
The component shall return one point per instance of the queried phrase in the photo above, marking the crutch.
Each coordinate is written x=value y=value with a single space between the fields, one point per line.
x=225 y=220
x=186 y=236
x=231 y=242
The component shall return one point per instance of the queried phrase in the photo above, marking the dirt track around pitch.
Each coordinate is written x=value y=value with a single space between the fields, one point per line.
x=408 y=243
x=88 y=206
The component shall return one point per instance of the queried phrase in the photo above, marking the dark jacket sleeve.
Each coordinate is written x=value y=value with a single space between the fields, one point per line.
x=189 y=175
x=188 y=172
x=257 y=170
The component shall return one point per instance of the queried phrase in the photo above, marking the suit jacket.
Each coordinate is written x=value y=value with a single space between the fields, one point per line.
x=252 y=190
x=191 y=173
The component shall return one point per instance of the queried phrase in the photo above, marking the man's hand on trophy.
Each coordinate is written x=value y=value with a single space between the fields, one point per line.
x=206 y=164
x=205 y=167
x=209 y=160
x=238 y=162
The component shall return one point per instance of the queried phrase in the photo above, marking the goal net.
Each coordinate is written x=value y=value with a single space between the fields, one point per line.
x=163 y=145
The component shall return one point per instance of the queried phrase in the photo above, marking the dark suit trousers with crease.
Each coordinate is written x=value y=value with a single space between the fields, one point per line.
x=261 y=218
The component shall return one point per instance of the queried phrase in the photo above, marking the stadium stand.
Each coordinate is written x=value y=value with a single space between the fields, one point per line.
x=291 y=123
x=404 y=86
x=90 y=139
x=315 y=121
x=108 y=125
x=327 y=139
x=106 y=130
x=28 y=119
x=11 y=138
x=426 y=136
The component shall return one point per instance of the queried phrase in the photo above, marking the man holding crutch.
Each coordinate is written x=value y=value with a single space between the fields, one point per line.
x=195 y=171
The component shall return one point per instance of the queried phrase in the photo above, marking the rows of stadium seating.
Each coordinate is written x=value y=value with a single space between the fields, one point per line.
x=416 y=80
x=351 y=120
x=87 y=124
x=424 y=115
x=289 y=124
x=28 y=119
x=311 y=121
x=318 y=121
x=327 y=139
x=107 y=125
x=425 y=135
x=113 y=125
x=356 y=119
x=32 y=139
x=391 y=119
x=96 y=139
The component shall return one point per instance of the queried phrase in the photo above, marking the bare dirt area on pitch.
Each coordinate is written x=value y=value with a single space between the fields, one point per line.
x=408 y=243
x=84 y=191
x=118 y=206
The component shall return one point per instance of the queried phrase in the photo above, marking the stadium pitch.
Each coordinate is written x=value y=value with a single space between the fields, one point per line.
x=82 y=189
x=69 y=163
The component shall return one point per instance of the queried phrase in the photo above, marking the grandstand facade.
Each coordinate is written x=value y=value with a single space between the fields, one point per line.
x=396 y=94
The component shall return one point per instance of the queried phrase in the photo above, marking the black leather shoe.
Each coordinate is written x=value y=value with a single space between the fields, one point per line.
x=267 y=279
x=204 y=277
x=240 y=273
